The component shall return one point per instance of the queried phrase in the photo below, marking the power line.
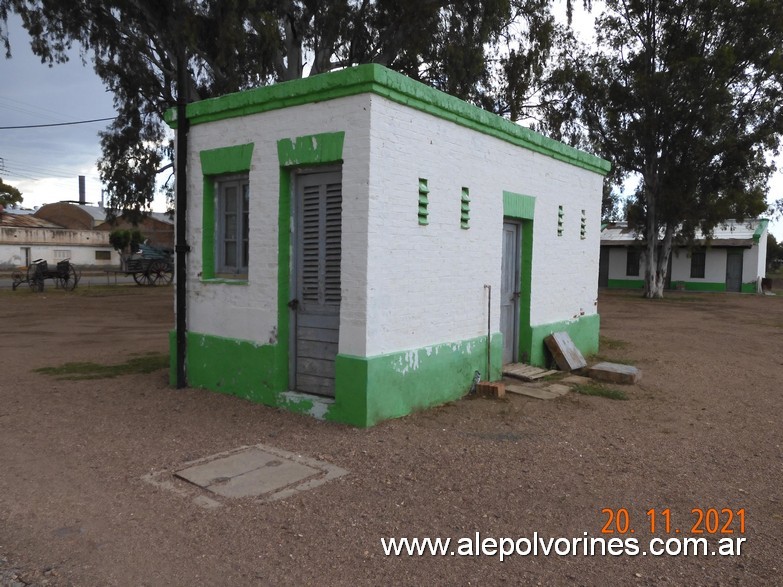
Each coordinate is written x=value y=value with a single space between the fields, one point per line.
x=56 y=124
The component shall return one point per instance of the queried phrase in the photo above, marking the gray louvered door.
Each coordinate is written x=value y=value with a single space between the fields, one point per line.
x=317 y=310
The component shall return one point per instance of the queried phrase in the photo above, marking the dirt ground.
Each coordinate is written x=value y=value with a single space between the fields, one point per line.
x=702 y=430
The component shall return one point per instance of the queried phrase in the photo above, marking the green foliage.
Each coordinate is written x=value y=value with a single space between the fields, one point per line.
x=9 y=195
x=125 y=240
x=489 y=52
x=146 y=363
x=687 y=96
x=774 y=252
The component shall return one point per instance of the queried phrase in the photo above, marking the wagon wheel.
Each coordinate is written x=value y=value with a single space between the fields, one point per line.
x=36 y=283
x=69 y=280
x=17 y=278
x=160 y=273
x=141 y=278
x=35 y=278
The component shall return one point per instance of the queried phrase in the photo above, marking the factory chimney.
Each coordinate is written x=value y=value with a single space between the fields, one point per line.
x=82 y=194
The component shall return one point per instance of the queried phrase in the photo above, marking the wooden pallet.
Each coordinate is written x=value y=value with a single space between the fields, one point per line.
x=526 y=372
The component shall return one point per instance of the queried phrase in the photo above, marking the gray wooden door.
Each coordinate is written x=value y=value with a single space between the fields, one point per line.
x=733 y=270
x=316 y=308
x=509 y=291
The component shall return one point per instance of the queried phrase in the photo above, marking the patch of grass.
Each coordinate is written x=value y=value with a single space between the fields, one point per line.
x=146 y=363
x=600 y=391
x=605 y=342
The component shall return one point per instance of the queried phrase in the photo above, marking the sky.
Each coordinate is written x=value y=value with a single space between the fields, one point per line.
x=45 y=163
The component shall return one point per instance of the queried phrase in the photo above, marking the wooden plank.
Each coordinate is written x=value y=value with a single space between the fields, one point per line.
x=315 y=367
x=318 y=334
x=526 y=372
x=316 y=385
x=566 y=355
x=313 y=349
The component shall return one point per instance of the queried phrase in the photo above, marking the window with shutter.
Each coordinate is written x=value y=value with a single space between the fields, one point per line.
x=233 y=233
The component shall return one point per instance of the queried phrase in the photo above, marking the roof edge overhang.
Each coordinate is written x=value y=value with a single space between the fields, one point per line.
x=376 y=79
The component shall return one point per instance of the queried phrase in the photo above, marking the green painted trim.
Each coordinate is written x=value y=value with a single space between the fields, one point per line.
x=284 y=274
x=625 y=284
x=518 y=206
x=208 y=228
x=371 y=389
x=320 y=149
x=522 y=208
x=224 y=160
x=525 y=289
x=214 y=162
x=311 y=149
x=374 y=78
x=424 y=202
x=763 y=222
x=464 y=218
x=583 y=332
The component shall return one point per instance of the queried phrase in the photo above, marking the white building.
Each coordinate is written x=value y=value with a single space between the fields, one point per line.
x=24 y=238
x=343 y=228
x=733 y=259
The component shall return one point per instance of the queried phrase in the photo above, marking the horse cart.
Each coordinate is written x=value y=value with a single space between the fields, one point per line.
x=151 y=266
x=64 y=275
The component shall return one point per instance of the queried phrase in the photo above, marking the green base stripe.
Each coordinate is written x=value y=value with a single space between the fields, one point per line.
x=367 y=390
x=700 y=286
x=374 y=78
x=583 y=332
x=237 y=367
x=397 y=384
x=748 y=287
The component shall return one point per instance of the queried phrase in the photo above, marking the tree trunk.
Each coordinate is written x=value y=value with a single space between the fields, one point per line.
x=652 y=287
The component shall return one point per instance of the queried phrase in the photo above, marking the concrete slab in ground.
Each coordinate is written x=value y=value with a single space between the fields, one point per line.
x=250 y=471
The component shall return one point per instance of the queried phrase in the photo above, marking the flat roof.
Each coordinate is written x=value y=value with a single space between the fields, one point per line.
x=376 y=79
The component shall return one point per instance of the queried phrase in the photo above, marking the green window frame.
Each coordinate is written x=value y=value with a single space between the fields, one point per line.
x=221 y=165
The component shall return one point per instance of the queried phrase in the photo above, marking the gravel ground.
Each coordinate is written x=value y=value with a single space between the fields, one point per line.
x=702 y=430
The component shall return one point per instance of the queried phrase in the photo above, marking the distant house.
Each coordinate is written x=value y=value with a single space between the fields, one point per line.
x=72 y=230
x=733 y=259
x=345 y=231
x=26 y=237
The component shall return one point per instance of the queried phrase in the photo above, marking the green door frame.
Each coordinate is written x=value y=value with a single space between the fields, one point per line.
x=521 y=208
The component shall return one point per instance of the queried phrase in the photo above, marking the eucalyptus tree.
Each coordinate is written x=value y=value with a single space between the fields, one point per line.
x=686 y=96
x=489 y=52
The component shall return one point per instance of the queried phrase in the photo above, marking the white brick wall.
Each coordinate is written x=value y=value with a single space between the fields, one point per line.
x=250 y=312
x=427 y=282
